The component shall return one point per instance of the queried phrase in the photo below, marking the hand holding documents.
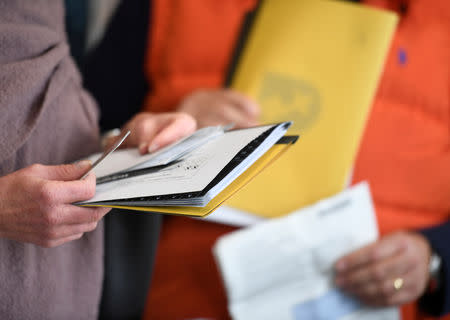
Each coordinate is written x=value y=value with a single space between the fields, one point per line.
x=107 y=152
x=283 y=269
x=192 y=177
x=131 y=159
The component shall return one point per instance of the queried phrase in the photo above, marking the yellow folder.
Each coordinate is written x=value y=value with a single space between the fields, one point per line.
x=317 y=62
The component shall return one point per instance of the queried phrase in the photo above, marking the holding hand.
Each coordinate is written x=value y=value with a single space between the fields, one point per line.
x=220 y=107
x=36 y=204
x=152 y=131
x=392 y=271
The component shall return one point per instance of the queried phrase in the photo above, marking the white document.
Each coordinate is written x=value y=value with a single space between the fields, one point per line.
x=283 y=268
x=195 y=173
x=131 y=159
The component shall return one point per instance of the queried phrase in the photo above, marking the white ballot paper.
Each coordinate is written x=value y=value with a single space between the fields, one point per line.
x=131 y=159
x=283 y=268
x=195 y=179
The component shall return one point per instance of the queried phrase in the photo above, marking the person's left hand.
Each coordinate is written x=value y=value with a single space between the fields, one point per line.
x=392 y=271
x=152 y=131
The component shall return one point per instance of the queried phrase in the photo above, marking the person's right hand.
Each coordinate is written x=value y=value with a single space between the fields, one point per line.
x=219 y=107
x=36 y=204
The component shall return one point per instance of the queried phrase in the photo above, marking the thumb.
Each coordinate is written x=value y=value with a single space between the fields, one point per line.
x=68 y=172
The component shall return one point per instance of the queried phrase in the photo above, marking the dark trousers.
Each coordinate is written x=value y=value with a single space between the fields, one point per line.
x=130 y=246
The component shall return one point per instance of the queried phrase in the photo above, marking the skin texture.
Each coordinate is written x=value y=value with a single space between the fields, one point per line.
x=36 y=202
x=369 y=273
x=152 y=131
x=219 y=107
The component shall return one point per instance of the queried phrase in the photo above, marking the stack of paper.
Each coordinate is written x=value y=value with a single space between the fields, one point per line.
x=194 y=182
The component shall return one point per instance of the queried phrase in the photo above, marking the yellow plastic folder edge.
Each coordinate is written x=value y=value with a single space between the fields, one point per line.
x=264 y=161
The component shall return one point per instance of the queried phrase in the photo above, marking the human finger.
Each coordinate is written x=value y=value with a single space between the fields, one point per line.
x=391 y=291
x=356 y=259
x=61 y=241
x=53 y=222
x=227 y=113
x=51 y=193
x=180 y=126
x=379 y=250
x=243 y=102
x=72 y=215
x=375 y=272
x=144 y=127
x=53 y=229
x=65 y=172
x=408 y=292
x=375 y=291
x=65 y=231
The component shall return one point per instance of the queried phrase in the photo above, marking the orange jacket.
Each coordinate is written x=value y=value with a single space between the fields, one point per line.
x=405 y=152
x=190 y=44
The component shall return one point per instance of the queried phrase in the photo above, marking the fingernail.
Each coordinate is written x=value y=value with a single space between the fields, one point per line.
x=83 y=164
x=153 y=147
x=143 y=148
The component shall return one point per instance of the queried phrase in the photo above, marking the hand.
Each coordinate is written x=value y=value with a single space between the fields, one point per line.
x=369 y=273
x=35 y=204
x=152 y=131
x=219 y=107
